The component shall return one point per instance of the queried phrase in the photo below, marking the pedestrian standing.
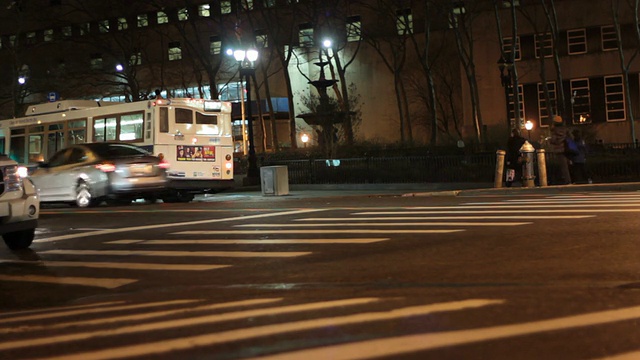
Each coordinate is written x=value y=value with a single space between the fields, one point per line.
x=579 y=173
x=558 y=160
x=514 y=164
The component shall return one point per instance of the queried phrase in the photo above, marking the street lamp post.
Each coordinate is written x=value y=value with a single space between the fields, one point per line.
x=305 y=139
x=247 y=59
x=529 y=125
x=506 y=69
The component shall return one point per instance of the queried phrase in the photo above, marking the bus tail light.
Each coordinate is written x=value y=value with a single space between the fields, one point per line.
x=106 y=167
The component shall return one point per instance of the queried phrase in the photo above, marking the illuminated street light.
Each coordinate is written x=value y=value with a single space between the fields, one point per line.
x=22 y=80
x=305 y=139
x=529 y=125
x=119 y=67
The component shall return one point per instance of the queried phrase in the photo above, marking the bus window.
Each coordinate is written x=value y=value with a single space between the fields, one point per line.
x=206 y=119
x=184 y=116
x=131 y=127
x=35 y=148
x=55 y=140
x=164 y=120
x=104 y=129
x=77 y=131
x=17 y=145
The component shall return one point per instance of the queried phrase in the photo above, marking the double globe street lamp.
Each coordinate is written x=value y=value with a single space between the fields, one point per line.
x=247 y=60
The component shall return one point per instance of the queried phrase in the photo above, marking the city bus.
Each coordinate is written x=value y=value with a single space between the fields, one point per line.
x=193 y=135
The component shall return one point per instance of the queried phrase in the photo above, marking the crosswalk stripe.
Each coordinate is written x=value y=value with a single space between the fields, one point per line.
x=119 y=265
x=178 y=323
x=39 y=312
x=102 y=308
x=395 y=346
x=581 y=202
x=179 y=253
x=168 y=345
x=495 y=211
x=69 y=280
x=496 y=217
x=424 y=223
x=137 y=316
x=502 y=205
x=261 y=242
x=322 y=231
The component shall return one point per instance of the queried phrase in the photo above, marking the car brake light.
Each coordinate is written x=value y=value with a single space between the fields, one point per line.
x=164 y=164
x=106 y=167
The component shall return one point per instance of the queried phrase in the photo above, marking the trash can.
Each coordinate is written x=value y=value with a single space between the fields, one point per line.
x=274 y=180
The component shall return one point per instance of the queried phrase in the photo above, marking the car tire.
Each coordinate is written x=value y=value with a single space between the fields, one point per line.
x=84 y=198
x=19 y=240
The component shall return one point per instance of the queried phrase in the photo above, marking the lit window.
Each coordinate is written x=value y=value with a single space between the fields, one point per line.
x=225 y=7
x=457 y=11
x=84 y=28
x=577 y=41
x=354 y=26
x=136 y=59
x=96 y=62
x=12 y=40
x=66 y=31
x=162 y=17
x=269 y=3
x=175 y=52
x=507 y=43
x=103 y=26
x=247 y=5
x=508 y=3
x=609 y=38
x=183 y=14
x=305 y=35
x=262 y=39
x=544 y=108
x=31 y=38
x=204 y=10
x=215 y=45
x=580 y=100
x=614 y=98
x=544 y=45
x=122 y=24
x=404 y=22
x=48 y=35
x=143 y=20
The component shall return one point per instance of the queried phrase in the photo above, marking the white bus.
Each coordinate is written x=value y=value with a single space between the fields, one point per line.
x=193 y=135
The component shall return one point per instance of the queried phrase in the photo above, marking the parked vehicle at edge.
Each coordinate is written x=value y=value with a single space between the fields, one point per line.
x=87 y=174
x=19 y=206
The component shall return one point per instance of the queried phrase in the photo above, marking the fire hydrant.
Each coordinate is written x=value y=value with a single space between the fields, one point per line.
x=526 y=154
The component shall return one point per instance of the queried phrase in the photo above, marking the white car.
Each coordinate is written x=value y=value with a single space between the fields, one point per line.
x=87 y=174
x=19 y=206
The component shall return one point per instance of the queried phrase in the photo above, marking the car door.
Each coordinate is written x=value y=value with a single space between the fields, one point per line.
x=46 y=177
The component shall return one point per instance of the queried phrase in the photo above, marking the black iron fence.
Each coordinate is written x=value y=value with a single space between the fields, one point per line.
x=619 y=163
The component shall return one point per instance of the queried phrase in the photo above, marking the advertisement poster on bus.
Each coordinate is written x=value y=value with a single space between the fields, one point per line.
x=196 y=153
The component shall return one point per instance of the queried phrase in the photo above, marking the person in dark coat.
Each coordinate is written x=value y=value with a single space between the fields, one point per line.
x=579 y=173
x=514 y=165
x=558 y=161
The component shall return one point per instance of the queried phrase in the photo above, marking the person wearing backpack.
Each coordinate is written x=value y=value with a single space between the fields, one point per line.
x=558 y=159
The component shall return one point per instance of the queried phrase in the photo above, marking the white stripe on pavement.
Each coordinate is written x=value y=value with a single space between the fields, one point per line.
x=424 y=223
x=178 y=323
x=168 y=345
x=529 y=211
x=252 y=242
x=323 y=231
x=502 y=205
x=495 y=217
x=106 y=283
x=118 y=265
x=165 y=225
x=395 y=346
x=178 y=253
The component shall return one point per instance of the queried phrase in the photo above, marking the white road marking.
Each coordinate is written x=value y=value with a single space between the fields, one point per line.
x=260 y=242
x=634 y=355
x=141 y=316
x=103 y=308
x=557 y=201
x=495 y=217
x=502 y=205
x=395 y=346
x=176 y=324
x=169 y=345
x=68 y=280
x=263 y=254
x=166 y=225
x=425 y=223
x=323 y=231
x=38 y=312
x=119 y=265
x=497 y=211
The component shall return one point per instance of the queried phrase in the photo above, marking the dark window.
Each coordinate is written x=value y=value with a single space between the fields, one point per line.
x=206 y=119
x=164 y=120
x=184 y=116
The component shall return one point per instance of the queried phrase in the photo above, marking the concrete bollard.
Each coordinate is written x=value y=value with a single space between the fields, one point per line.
x=499 y=168
x=542 y=168
x=526 y=154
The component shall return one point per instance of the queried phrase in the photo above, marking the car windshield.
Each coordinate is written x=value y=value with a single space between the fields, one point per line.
x=106 y=150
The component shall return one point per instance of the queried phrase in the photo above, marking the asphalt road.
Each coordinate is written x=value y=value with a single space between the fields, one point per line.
x=330 y=276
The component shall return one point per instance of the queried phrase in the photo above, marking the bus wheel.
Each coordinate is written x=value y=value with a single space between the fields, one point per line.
x=83 y=196
x=185 y=197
